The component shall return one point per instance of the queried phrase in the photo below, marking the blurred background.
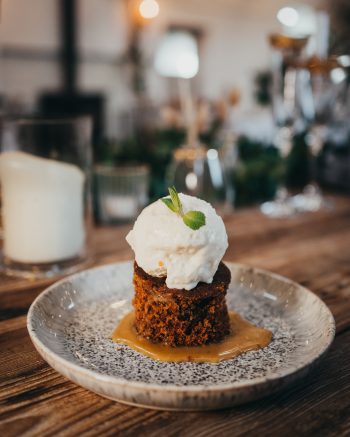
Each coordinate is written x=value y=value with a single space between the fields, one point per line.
x=240 y=102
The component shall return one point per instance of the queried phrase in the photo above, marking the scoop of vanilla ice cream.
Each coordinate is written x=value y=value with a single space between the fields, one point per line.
x=165 y=246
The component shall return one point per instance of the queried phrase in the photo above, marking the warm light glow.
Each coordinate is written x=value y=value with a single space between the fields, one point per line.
x=149 y=9
x=288 y=16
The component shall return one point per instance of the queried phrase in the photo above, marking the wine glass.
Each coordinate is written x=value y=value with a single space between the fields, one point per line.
x=198 y=171
x=286 y=55
x=323 y=102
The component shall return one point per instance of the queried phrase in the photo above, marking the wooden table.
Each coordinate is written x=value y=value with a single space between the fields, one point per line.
x=313 y=249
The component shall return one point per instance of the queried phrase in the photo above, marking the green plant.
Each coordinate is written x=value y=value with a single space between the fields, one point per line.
x=259 y=172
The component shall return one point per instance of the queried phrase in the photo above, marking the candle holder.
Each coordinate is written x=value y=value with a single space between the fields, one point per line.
x=45 y=189
x=120 y=192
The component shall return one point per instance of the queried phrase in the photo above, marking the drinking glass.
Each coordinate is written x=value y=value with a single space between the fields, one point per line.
x=286 y=56
x=323 y=103
x=120 y=192
x=281 y=205
x=198 y=171
x=45 y=189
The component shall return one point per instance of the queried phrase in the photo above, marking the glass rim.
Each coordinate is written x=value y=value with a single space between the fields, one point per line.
x=33 y=120
x=120 y=169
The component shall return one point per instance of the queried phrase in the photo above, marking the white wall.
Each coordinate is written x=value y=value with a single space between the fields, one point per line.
x=29 y=23
x=234 y=46
x=28 y=26
x=102 y=27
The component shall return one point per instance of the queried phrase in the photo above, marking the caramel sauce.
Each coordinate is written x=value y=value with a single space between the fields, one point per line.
x=243 y=338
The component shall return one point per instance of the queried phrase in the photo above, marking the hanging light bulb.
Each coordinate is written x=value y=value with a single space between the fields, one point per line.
x=149 y=9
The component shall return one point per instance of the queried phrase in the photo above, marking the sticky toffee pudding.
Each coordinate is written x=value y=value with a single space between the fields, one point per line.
x=180 y=283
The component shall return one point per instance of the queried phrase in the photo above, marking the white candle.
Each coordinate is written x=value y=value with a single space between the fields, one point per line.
x=42 y=208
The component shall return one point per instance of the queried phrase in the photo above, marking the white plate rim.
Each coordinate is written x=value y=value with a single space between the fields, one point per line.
x=188 y=389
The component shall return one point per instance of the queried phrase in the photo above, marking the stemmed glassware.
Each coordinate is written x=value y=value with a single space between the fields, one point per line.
x=286 y=57
x=197 y=171
x=323 y=102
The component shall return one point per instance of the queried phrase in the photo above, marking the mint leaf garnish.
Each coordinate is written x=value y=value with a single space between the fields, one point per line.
x=192 y=219
x=169 y=203
x=175 y=199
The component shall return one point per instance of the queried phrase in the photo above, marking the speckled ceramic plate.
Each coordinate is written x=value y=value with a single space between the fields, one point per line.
x=71 y=322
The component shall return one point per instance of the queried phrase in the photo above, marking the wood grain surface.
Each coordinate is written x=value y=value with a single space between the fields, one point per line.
x=312 y=249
